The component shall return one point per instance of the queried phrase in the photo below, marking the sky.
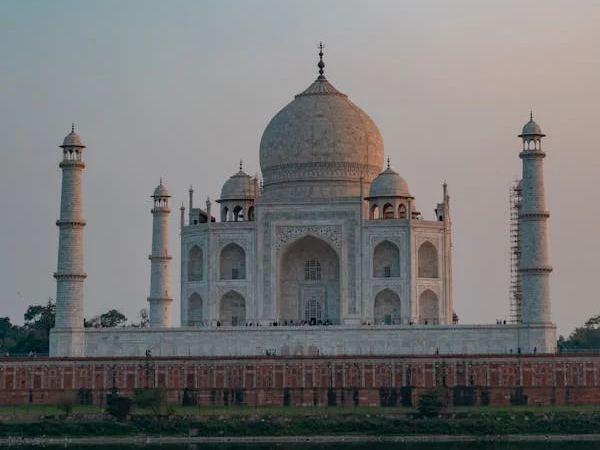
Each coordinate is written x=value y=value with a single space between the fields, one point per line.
x=184 y=90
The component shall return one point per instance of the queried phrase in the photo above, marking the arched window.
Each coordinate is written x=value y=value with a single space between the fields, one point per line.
x=195 y=310
x=429 y=308
x=238 y=214
x=232 y=311
x=233 y=262
x=386 y=260
x=312 y=270
x=251 y=213
x=195 y=264
x=388 y=211
x=428 y=261
x=375 y=212
x=386 y=310
x=402 y=211
x=224 y=214
x=313 y=311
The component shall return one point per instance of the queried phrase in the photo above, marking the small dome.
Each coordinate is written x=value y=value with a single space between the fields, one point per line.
x=389 y=184
x=240 y=186
x=72 y=139
x=160 y=191
x=531 y=128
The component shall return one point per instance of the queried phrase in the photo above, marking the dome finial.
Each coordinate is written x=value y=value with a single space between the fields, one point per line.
x=160 y=181
x=73 y=127
x=241 y=165
x=388 y=162
x=531 y=114
x=321 y=64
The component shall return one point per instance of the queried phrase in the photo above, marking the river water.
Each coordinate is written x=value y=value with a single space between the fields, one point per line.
x=351 y=446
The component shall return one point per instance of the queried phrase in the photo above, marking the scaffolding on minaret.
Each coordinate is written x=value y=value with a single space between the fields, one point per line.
x=515 y=293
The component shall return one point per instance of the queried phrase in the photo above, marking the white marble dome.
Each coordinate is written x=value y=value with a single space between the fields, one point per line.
x=72 y=140
x=240 y=186
x=531 y=128
x=389 y=184
x=161 y=191
x=322 y=144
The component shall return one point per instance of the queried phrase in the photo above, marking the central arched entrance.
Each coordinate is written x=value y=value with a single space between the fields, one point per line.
x=309 y=283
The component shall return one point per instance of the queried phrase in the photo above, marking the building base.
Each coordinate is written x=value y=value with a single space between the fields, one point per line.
x=342 y=340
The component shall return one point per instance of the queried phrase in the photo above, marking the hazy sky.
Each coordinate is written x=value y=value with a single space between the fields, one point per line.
x=184 y=89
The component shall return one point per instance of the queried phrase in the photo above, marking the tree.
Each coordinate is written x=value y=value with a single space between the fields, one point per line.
x=34 y=336
x=144 y=319
x=119 y=407
x=112 y=318
x=431 y=403
x=152 y=399
x=586 y=337
x=66 y=402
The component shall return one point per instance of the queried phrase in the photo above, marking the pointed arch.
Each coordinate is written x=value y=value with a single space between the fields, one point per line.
x=388 y=211
x=195 y=264
x=402 y=211
x=195 y=313
x=232 y=310
x=238 y=214
x=428 y=261
x=429 y=310
x=374 y=212
x=233 y=262
x=251 y=213
x=386 y=260
x=387 y=308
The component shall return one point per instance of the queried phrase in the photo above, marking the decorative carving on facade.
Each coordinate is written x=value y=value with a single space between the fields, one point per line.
x=330 y=233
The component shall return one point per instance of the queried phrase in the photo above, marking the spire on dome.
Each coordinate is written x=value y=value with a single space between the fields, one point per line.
x=531 y=114
x=388 y=162
x=73 y=127
x=321 y=64
x=241 y=165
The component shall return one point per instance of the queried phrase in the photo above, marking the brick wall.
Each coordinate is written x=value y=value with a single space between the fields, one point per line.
x=495 y=380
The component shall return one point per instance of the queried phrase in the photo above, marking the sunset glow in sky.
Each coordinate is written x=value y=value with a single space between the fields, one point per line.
x=184 y=90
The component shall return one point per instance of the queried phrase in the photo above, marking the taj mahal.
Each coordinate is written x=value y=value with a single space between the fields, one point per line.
x=327 y=252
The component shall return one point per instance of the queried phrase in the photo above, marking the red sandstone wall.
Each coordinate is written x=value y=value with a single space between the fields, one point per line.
x=496 y=380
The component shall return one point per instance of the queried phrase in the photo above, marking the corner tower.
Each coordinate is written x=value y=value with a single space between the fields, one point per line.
x=534 y=268
x=160 y=299
x=69 y=273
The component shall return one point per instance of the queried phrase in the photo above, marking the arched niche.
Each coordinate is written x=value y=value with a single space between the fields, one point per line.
x=232 y=309
x=309 y=282
x=195 y=313
x=195 y=264
x=429 y=308
x=428 y=261
x=386 y=260
x=387 y=307
x=233 y=262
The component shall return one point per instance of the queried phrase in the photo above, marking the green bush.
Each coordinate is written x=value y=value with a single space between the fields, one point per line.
x=431 y=403
x=119 y=407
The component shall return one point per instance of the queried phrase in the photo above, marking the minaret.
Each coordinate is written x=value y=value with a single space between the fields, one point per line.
x=160 y=299
x=534 y=268
x=69 y=272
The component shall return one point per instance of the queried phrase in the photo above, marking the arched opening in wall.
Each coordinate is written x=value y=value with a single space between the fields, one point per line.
x=195 y=264
x=375 y=212
x=195 y=315
x=238 y=214
x=309 y=282
x=428 y=261
x=402 y=211
x=224 y=214
x=232 y=311
x=386 y=260
x=233 y=262
x=386 y=309
x=388 y=211
x=251 y=213
x=429 y=308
